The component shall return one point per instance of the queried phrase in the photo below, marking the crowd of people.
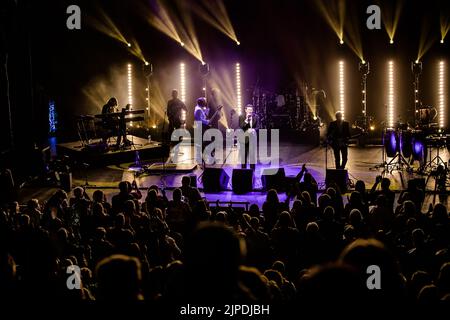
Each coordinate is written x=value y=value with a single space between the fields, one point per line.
x=148 y=247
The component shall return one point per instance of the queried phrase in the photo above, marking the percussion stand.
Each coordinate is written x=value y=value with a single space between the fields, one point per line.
x=434 y=162
x=398 y=162
x=383 y=157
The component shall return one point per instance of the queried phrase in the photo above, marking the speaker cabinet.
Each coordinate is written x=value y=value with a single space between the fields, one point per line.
x=215 y=180
x=274 y=178
x=339 y=177
x=242 y=181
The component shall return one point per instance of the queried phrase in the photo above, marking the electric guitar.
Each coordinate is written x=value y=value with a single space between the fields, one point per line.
x=215 y=114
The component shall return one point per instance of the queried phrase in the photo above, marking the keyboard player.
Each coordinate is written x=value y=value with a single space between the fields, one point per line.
x=114 y=125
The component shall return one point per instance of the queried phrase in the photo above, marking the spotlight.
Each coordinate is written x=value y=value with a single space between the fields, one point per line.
x=442 y=40
x=204 y=69
x=182 y=43
x=391 y=41
x=416 y=67
x=372 y=128
x=364 y=67
x=341 y=41
x=238 y=43
x=129 y=45
x=146 y=63
x=204 y=89
x=154 y=126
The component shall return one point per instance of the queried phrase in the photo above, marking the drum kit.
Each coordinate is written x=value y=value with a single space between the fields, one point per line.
x=285 y=109
x=405 y=144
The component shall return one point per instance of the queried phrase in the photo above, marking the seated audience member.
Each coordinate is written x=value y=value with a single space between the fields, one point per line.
x=385 y=184
x=366 y=252
x=179 y=216
x=190 y=193
x=33 y=211
x=118 y=201
x=119 y=279
x=212 y=259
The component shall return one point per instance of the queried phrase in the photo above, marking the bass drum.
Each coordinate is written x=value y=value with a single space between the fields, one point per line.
x=406 y=144
x=391 y=142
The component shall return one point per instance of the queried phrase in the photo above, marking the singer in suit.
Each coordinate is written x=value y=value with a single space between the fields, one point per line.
x=248 y=121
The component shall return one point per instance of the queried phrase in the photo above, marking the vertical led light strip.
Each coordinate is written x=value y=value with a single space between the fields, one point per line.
x=238 y=89
x=183 y=82
x=391 y=95
x=441 y=93
x=130 y=85
x=342 y=88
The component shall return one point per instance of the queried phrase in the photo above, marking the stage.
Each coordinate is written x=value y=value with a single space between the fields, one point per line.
x=361 y=166
x=95 y=155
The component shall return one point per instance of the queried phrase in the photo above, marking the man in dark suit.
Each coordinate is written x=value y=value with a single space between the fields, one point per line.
x=175 y=109
x=248 y=122
x=338 y=135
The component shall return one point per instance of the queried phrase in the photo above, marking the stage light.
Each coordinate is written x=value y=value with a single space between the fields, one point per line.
x=204 y=89
x=341 y=41
x=52 y=116
x=391 y=95
x=441 y=94
x=146 y=63
x=182 y=44
x=390 y=17
x=342 y=88
x=183 y=82
x=238 y=89
x=215 y=13
x=238 y=43
x=129 y=45
x=372 y=128
x=445 y=25
x=154 y=126
x=130 y=85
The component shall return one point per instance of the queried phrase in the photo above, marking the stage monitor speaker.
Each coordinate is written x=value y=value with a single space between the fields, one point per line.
x=215 y=180
x=274 y=178
x=339 y=177
x=242 y=181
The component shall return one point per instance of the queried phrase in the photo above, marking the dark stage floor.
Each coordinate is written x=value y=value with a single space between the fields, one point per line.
x=360 y=166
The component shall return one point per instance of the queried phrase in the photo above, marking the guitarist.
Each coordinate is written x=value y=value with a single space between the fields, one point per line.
x=247 y=121
x=338 y=135
x=213 y=105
